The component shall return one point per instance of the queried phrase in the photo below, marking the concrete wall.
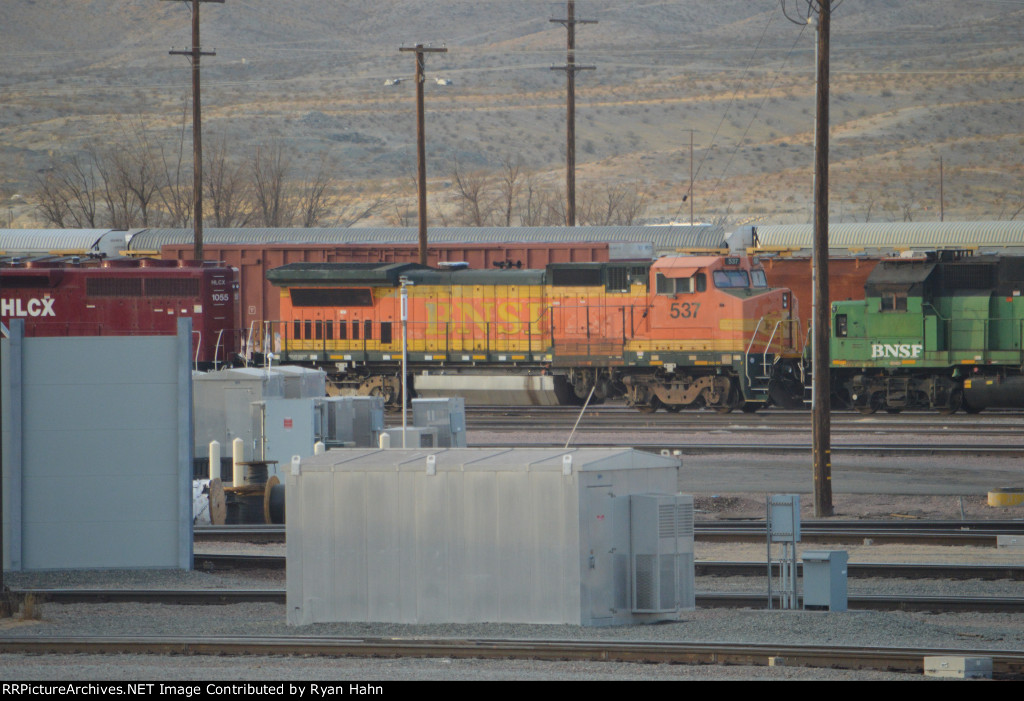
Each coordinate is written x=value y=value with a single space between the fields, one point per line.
x=97 y=451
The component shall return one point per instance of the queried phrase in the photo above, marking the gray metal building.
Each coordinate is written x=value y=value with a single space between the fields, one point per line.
x=583 y=536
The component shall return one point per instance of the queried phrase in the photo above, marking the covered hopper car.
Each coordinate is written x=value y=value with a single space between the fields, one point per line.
x=676 y=332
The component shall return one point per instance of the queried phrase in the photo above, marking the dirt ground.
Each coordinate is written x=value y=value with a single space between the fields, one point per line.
x=724 y=507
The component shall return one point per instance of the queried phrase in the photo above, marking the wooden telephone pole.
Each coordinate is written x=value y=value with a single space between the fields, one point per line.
x=571 y=69
x=821 y=392
x=197 y=130
x=421 y=147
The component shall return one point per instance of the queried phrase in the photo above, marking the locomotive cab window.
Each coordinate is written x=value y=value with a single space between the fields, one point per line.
x=893 y=302
x=681 y=285
x=757 y=279
x=731 y=278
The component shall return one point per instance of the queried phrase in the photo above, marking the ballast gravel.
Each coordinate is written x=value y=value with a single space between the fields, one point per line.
x=977 y=631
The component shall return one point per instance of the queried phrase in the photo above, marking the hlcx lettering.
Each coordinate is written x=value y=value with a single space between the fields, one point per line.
x=896 y=350
x=33 y=307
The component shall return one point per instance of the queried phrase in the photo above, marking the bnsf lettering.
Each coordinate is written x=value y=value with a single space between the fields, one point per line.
x=898 y=350
x=33 y=307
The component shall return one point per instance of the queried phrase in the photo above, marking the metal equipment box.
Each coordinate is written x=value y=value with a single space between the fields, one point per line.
x=954 y=667
x=825 y=580
x=466 y=535
x=415 y=437
x=367 y=421
x=448 y=415
x=661 y=552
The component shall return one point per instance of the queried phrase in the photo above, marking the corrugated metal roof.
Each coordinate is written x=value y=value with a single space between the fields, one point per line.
x=899 y=235
x=487 y=459
x=45 y=240
x=663 y=238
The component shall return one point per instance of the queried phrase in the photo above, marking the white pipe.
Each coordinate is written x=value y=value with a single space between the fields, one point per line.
x=237 y=458
x=214 y=460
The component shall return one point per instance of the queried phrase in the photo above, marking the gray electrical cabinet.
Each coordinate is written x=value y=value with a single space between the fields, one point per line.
x=472 y=535
x=367 y=421
x=447 y=415
x=825 y=580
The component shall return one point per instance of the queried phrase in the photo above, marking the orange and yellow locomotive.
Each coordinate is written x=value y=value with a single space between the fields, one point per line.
x=688 y=331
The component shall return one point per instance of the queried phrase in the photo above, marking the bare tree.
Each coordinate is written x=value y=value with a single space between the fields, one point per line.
x=268 y=169
x=176 y=194
x=312 y=199
x=352 y=207
x=137 y=168
x=114 y=192
x=475 y=203
x=225 y=187
x=69 y=193
x=509 y=186
x=532 y=202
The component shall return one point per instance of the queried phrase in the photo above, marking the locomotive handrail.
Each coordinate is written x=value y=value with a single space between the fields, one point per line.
x=199 y=346
x=216 y=348
x=767 y=347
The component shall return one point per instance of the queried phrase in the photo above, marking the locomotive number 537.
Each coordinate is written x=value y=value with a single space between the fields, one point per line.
x=684 y=310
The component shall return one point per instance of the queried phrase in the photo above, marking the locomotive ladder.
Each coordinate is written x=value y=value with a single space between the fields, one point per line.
x=761 y=384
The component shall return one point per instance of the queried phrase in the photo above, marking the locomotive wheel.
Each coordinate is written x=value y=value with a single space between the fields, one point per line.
x=750 y=407
x=956 y=400
x=893 y=409
x=734 y=400
x=650 y=408
x=674 y=408
x=875 y=402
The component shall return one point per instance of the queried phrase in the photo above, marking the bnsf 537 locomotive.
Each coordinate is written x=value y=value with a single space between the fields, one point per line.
x=945 y=332
x=125 y=298
x=678 y=332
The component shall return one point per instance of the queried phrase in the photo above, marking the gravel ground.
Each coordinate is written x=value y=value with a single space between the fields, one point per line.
x=883 y=629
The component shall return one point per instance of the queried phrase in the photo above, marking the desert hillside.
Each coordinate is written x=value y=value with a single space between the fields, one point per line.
x=913 y=82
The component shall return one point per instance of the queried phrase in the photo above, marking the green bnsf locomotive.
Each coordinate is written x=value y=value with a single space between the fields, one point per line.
x=942 y=332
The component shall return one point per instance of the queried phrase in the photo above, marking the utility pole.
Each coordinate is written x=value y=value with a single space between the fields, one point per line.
x=197 y=137
x=821 y=448
x=421 y=148
x=942 y=196
x=571 y=69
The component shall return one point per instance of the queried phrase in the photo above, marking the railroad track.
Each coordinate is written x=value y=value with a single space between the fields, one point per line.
x=1006 y=664
x=757 y=600
x=983 y=533
x=703 y=448
x=881 y=570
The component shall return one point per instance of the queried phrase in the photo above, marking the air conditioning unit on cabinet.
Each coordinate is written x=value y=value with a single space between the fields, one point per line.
x=661 y=552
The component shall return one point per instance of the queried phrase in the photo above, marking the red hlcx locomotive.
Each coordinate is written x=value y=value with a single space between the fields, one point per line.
x=125 y=298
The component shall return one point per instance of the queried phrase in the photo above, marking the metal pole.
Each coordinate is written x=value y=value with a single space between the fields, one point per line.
x=405 y=347
x=820 y=380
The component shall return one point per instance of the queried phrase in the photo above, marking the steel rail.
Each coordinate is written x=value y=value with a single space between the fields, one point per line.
x=880 y=449
x=935 y=532
x=704 y=599
x=1005 y=663
x=708 y=568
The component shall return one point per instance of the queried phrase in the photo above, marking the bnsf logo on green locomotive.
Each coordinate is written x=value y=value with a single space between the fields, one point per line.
x=896 y=350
